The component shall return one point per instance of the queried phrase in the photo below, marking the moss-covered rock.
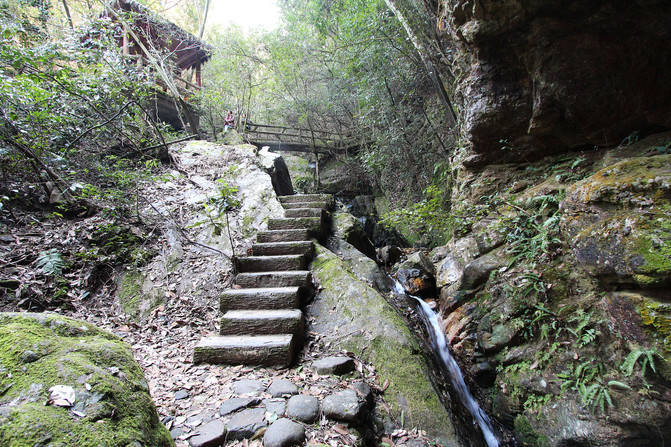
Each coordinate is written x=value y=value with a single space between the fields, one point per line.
x=346 y=227
x=112 y=407
x=343 y=312
x=618 y=222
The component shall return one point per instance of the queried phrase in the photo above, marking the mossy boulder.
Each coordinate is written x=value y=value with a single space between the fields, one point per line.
x=343 y=311
x=346 y=227
x=618 y=222
x=112 y=404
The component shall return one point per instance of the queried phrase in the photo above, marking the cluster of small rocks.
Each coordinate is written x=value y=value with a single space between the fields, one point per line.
x=281 y=413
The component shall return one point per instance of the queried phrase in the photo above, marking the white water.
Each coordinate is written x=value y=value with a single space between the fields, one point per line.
x=432 y=324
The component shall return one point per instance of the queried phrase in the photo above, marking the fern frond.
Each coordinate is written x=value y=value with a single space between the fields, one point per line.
x=51 y=262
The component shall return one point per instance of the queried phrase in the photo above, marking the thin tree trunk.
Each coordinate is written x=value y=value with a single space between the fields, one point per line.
x=67 y=14
x=206 y=9
x=428 y=64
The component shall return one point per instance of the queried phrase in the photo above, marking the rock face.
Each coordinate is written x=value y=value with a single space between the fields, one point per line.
x=618 y=222
x=548 y=75
x=111 y=403
x=388 y=344
x=277 y=169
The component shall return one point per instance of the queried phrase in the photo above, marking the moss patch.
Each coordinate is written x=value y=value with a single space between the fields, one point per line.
x=113 y=406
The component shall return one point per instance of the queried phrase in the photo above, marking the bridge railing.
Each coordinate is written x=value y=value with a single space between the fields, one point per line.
x=294 y=137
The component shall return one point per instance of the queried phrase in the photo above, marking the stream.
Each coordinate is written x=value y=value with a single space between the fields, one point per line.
x=442 y=351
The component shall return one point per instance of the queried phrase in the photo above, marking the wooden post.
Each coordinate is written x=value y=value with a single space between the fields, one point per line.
x=198 y=75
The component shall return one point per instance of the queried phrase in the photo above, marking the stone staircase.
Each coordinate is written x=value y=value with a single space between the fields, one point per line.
x=262 y=323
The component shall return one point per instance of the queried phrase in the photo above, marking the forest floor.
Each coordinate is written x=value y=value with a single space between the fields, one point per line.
x=83 y=286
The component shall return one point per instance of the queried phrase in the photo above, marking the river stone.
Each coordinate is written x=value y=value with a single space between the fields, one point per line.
x=389 y=255
x=344 y=406
x=277 y=406
x=181 y=394
x=248 y=386
x=334 y=365
x=416 y=274
x=236 y=403
x=244 y=424
x=477 y=271
x=284 y=433
x=212 y=434
x=282 y=387
x=303 y=408
x=72 y=353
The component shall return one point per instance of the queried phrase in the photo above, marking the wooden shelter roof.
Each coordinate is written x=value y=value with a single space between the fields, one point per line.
x=187 y=50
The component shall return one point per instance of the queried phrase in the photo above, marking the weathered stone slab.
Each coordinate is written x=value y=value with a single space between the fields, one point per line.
x=267 y=350
x=284 y=433
x=306 y=212
x=328 y=198
x=248 y=386
x=244 y=424
x=271 y=263
x=314 y=224
x=237 y=403
x=283 y=235
x=212 y=434
x=301 y=278
x=262 y=322
x=305 y=248
x=326 y=206
x=334 y=365
x=275 y=405
x=261 y=298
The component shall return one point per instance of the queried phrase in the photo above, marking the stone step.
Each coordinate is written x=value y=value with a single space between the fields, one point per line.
x=306 y=212
x=271 y=263
x=283 y=235
x=266 y=350
x=302 y=278
x=305 y=248
x=312 y=224
x=262 y=322
x=328 y=198
x=302 y=205
x=260 y=298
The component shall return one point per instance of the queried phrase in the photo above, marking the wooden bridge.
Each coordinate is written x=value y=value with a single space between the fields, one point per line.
x=280 y=138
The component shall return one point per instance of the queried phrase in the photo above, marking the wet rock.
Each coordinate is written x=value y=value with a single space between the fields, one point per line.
x=248 y=386
x=244 y=424
x=303 y=408
x=451 y=267
x=416 y=275
x=363 y=267
x=334 y=365
x=284 y=433
x=236 y=403
x=282 y=387
x=389 y=255
x=277 y=406
x=344 y=406
x=212 y=434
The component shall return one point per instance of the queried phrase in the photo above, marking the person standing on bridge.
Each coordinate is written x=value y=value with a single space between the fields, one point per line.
x=229 y=121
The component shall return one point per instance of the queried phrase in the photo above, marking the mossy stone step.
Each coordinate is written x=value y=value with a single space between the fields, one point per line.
x=302 y=278
x=262 y=322
x=328 y=198
x=271 y=263
x=306 y=248
x=266 y=350
x=260 y=298
x=292 y=223
x=283 y=235
x=306 y=212
x=303 y=205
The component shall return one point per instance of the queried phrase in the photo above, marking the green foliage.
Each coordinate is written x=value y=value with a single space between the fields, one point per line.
x=643 y=358
x=51 y=262
x=589 y=379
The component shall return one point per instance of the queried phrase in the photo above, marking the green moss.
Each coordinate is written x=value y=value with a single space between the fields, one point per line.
x=527 y=435
x=134 y=302
x=657 y=318
x=39 y=351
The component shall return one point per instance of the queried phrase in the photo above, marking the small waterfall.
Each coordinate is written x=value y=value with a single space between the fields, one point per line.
x=440 y=347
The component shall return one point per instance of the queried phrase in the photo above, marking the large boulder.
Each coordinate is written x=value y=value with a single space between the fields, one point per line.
x=66 y=382
x=417 y=275
x=348 y=228
x=343 y=311
x=617 y=222
x=540 y=75
x=277 y=169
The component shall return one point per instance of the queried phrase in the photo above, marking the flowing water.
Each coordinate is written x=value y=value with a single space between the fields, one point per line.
x=441 y=349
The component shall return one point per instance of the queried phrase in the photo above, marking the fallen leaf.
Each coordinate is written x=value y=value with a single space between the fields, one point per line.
x=341 y=429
